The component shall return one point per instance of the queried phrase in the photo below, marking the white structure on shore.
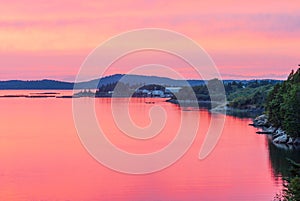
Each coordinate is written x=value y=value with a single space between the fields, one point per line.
x=172 y=89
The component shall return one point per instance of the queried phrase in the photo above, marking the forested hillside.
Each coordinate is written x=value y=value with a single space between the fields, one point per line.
x=283 y=105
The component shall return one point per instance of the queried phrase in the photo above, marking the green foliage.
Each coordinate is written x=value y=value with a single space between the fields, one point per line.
x=291 y=191
x=283 y=109
x=240 y=94
x=107 y=87
x=201 y=92
x=216 y=90
x=186 y=93
x=120 y=89
x=251 y=96
x=291 y=109
x=283 y=105
x=152 y=87
x=273 y=103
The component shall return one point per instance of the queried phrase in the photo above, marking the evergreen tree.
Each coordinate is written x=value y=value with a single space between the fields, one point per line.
x=283 y=105
x=291 y=108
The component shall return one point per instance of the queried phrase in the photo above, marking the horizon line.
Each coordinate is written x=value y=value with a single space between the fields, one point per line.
x=243 y=78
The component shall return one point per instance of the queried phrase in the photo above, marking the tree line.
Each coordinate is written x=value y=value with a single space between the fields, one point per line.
x=283 y=105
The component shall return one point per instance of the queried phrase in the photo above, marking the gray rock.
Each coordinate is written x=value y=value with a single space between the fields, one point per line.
x=275 y=135
x=261 y=117
x=270 y=129
x=281 y=139
x=290 y=140
x=279 y=131
x=261 y=120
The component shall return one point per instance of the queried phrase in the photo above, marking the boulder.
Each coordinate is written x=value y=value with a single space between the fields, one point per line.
x=290 y=140
x=261 y=120
x=266 y=130
x=269 y=130
x=279 y=131
x=281 y=139
x=276 y=135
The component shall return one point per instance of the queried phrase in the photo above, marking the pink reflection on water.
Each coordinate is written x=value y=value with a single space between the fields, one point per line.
x=42 y=157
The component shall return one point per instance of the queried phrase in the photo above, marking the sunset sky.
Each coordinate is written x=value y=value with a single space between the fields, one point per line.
x=246 y=39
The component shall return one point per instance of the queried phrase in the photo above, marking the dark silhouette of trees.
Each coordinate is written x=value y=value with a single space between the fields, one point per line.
x=283 y=105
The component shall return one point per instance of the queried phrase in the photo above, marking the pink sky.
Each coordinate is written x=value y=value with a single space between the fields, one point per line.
x=246 y=39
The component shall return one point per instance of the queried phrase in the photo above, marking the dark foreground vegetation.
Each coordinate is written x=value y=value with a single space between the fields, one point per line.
x=291 y=191
x=283 y=111
x=283 y=105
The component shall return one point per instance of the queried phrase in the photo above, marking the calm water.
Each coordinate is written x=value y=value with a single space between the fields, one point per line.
x=42 y=157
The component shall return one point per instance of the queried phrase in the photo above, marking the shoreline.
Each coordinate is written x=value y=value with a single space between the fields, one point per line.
x=278 y=136
x=242 y=113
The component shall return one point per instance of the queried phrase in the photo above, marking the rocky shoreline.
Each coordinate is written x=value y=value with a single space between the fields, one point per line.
x=278 y=136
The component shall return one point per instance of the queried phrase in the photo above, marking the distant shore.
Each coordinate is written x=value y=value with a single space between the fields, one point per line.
x=243 y=113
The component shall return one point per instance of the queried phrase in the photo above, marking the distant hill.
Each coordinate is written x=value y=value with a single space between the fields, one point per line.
x=127 y=79
x=138 y=79
x=36 y=84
